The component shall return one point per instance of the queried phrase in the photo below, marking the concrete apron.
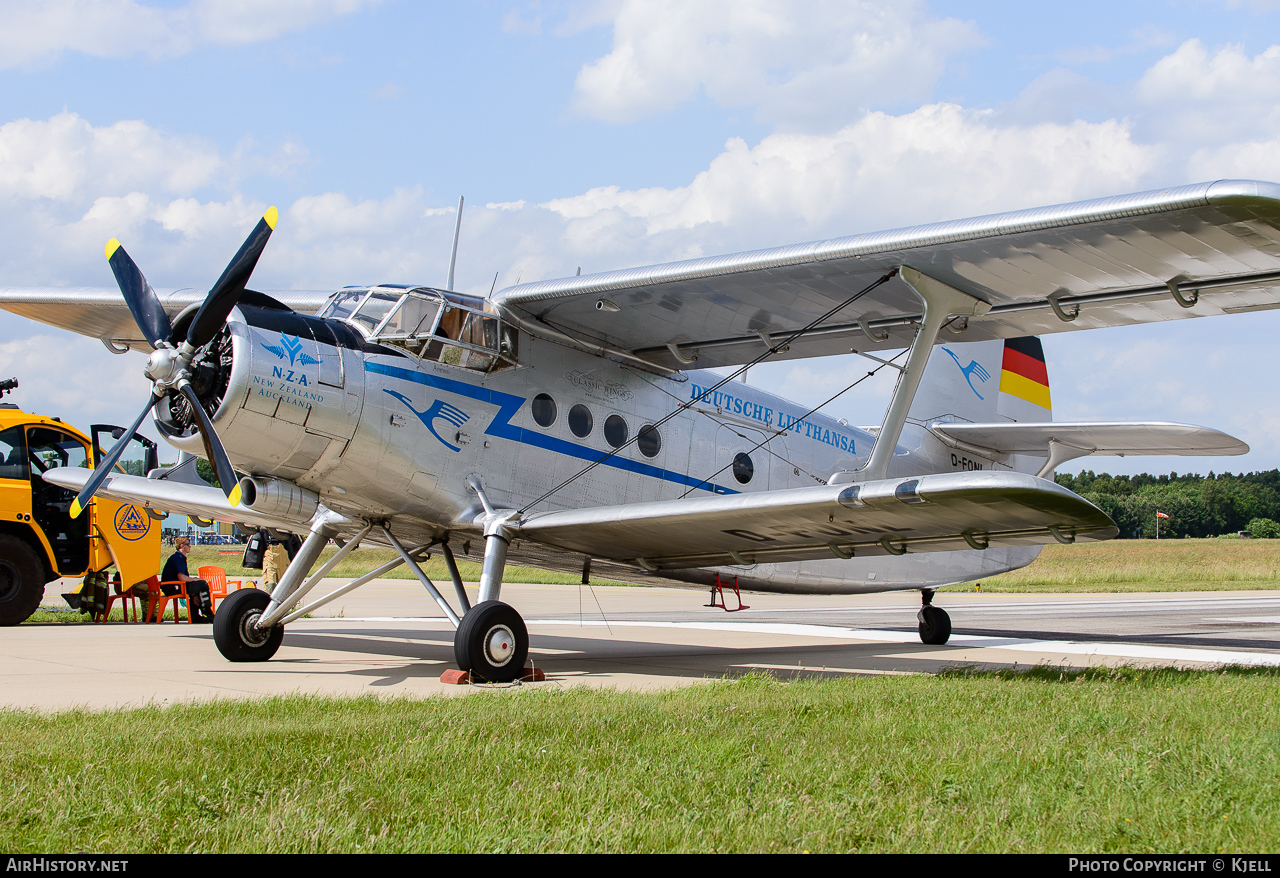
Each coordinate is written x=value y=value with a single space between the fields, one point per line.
x=389 y=639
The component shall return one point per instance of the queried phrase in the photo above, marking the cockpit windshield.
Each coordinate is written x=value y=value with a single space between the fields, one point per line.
x=429 y=324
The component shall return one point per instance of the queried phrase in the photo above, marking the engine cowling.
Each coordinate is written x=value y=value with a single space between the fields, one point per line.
x=283 y=390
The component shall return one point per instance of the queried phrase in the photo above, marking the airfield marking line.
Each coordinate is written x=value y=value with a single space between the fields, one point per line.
x=1124 y=605
x=1120 y=650
x=1270 y=620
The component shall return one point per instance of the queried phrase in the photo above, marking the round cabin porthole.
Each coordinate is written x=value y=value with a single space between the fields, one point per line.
x=649 y=441
x=543 y=409
x=580 y=421
x=615 y=430
x=743 y=468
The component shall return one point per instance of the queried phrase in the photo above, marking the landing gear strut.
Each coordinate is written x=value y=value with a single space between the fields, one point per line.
x=935 y=624
x=491 y=642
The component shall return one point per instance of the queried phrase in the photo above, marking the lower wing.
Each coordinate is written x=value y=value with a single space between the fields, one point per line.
x=935 y=513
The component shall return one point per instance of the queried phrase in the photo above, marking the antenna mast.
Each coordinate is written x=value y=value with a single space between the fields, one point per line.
x=453 y=259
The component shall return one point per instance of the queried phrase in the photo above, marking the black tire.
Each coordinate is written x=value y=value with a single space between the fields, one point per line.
x=484 y=623
x=21 y=580
x=935 y=625
x=233 y=630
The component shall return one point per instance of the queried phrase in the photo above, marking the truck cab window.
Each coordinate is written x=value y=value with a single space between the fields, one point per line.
x=13 y=454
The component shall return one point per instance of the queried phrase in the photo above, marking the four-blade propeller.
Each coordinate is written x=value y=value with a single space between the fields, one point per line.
x=169 y=365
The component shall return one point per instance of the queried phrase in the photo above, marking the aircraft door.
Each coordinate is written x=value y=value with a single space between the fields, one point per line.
x=49 y=448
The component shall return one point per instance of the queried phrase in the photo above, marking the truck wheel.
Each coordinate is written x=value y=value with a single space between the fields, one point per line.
x=21 y=582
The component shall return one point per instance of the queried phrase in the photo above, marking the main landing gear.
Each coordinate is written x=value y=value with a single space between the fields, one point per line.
x=491 y=642
x=235 y=628
x=935 y=624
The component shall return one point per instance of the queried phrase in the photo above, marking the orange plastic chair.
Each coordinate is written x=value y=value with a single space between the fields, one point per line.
x=216 y=577
x=157 y=600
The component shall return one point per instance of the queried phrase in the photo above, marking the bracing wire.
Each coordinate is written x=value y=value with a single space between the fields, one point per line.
x=780 y=346
x=811 y=411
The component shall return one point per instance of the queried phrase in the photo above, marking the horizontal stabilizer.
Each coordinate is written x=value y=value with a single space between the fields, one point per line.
x=1095 y=437
x=201 y=501
x=935 y=513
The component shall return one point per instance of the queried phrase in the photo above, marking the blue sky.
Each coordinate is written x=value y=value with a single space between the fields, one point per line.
x=610 y=134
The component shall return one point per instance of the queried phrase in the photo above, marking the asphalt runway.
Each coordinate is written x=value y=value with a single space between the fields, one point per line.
x=389 y=638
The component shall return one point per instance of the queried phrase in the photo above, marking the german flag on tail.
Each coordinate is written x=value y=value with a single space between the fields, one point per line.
x=1023 y=373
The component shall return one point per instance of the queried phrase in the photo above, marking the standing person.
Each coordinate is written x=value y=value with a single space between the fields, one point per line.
x=275 y=561
x=175 y=570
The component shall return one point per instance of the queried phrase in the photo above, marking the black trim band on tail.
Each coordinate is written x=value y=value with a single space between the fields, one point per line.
x=1028 y=345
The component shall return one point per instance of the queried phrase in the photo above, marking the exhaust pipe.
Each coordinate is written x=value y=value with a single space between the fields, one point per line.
x=278 y=497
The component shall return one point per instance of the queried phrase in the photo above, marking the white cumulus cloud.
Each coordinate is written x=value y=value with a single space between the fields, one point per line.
x=800 y=64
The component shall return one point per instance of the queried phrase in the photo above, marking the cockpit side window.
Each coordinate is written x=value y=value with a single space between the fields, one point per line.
x=342 y=303
x=375 y=308
x=415 y=316
x=441 y=327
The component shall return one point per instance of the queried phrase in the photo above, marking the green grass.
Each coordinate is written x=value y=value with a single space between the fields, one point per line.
x=1095 y=761
x=64 y=615
x=1147 y=565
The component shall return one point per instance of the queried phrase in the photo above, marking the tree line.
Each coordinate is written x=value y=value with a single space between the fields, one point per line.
x=1197 y=506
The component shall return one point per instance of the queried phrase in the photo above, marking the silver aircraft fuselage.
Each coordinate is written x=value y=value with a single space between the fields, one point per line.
x=393 y=430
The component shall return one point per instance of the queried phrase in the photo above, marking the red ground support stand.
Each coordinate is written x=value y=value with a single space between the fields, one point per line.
x=718 y=589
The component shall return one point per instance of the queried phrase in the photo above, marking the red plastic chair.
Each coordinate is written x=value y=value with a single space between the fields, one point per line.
x=126 y=597
x=157 y=600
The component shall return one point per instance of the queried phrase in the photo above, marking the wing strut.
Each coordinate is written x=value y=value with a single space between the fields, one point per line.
x=941 y=303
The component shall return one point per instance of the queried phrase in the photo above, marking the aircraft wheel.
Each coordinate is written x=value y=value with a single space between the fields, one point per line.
x=935 y=625
x=492 y=643
x=21 y=583
x=234 y=632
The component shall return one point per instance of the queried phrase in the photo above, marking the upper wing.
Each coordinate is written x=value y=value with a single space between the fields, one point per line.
x=1108 y=262
x=1098 y=437
x=100 y=312
x=935 y=513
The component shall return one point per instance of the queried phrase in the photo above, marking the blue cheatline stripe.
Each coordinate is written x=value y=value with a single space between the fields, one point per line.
x=508 y=404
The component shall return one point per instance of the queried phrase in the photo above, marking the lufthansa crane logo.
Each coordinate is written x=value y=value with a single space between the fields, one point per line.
x=438 y=410
x=132 y=523
x=969 y=371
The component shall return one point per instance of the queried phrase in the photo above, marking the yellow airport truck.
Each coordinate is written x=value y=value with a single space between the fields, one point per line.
x=39 y=540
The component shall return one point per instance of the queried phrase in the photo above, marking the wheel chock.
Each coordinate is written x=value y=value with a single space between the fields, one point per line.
x=455 y=677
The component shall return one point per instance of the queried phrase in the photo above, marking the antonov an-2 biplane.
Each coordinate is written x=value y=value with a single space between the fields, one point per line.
x=562 y=424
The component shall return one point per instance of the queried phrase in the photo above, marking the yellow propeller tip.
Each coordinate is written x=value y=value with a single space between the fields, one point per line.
x=234 y=497
x=112 y=246
x=76 y=509
x=272 y=216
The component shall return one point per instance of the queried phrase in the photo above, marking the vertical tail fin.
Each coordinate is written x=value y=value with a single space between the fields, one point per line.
x=985 y=382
